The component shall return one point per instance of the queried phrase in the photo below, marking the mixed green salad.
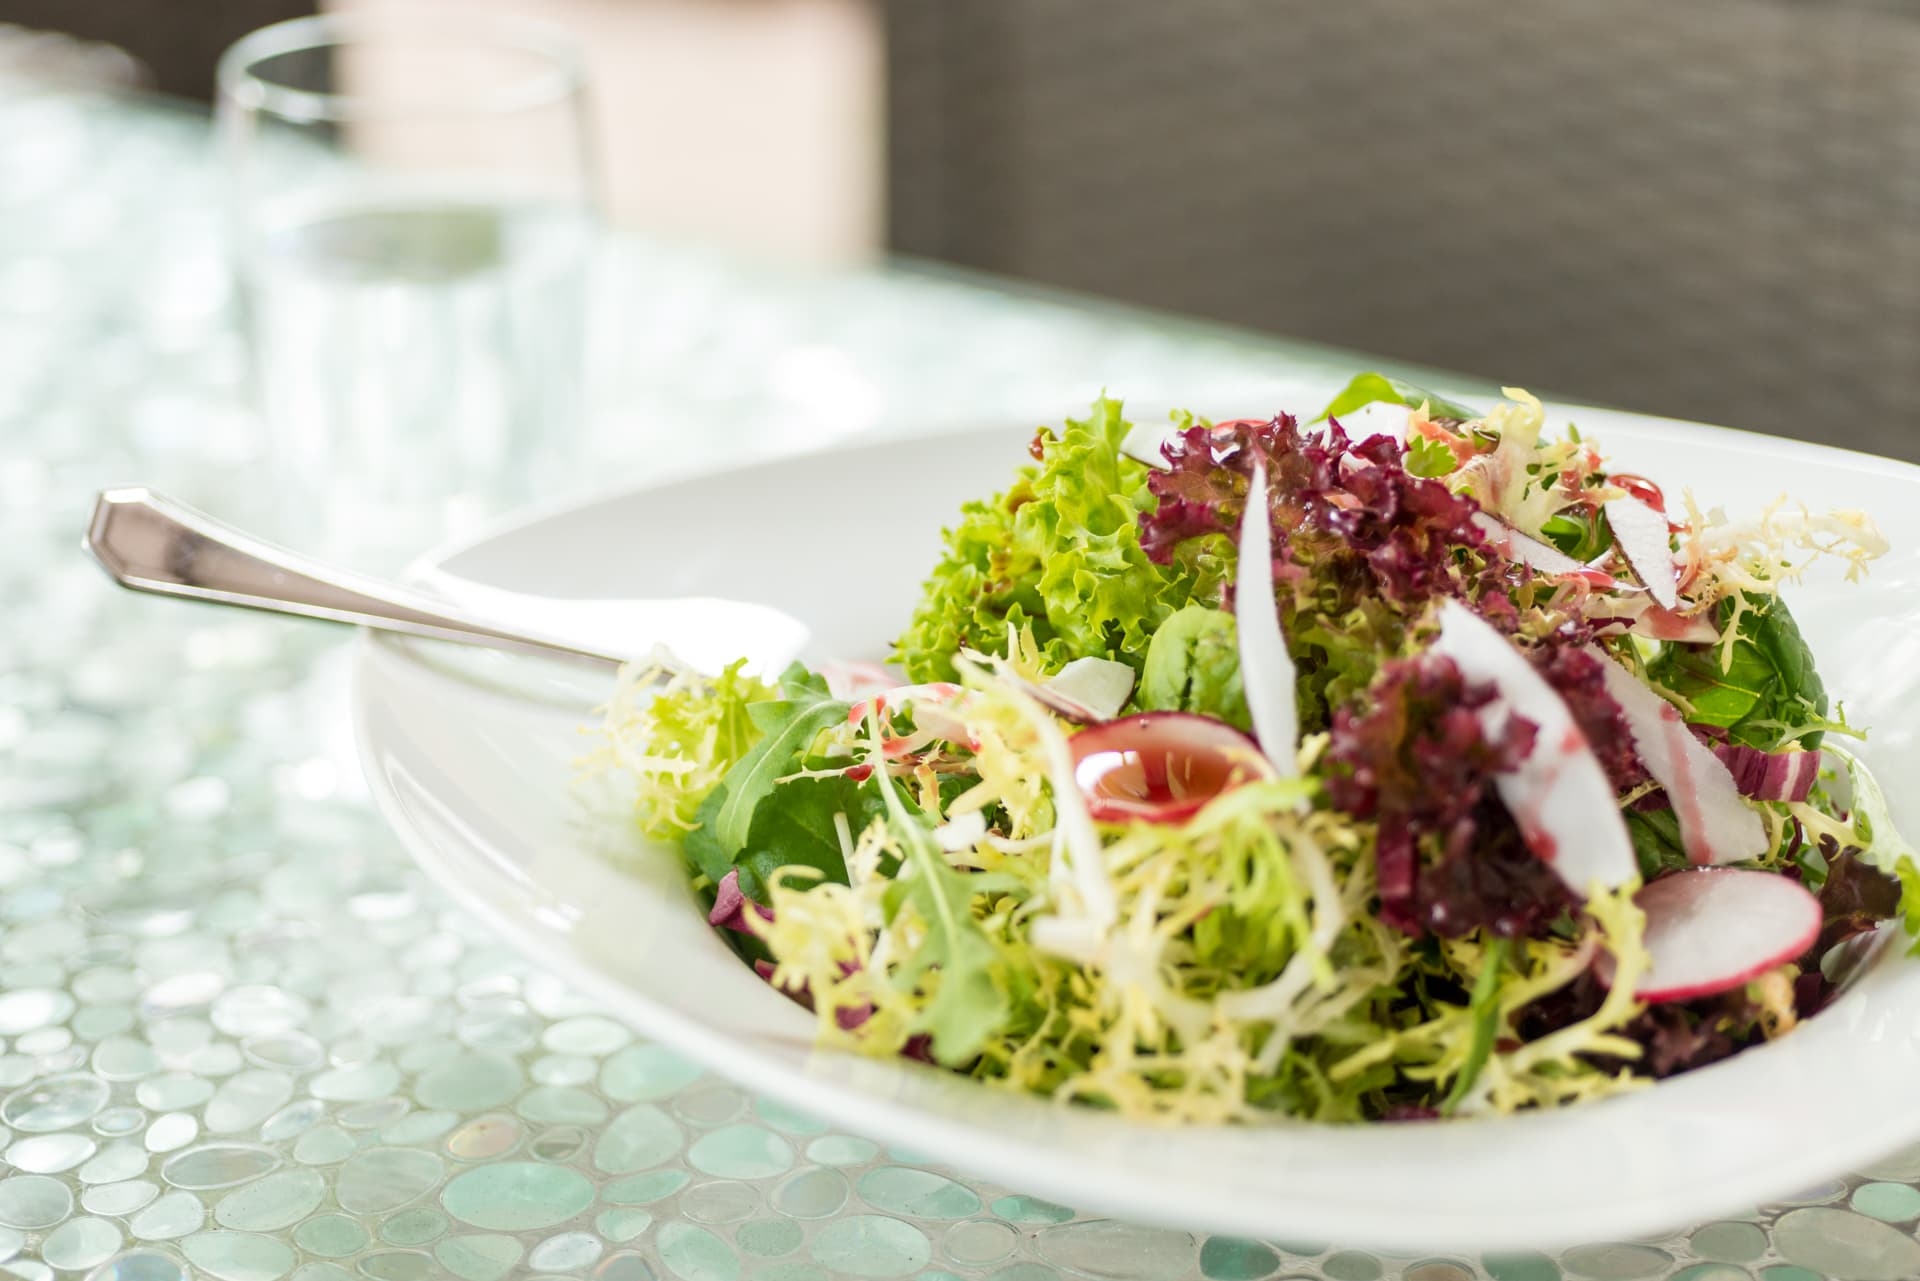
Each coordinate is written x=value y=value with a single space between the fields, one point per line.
x=1404 y=763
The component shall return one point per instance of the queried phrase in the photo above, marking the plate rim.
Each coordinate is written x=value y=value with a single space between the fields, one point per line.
x=884 y=1118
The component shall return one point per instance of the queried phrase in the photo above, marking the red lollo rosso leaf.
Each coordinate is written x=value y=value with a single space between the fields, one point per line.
x=1347 y=513
x=730 y=906
x=1418 y=761
x=1579 y=677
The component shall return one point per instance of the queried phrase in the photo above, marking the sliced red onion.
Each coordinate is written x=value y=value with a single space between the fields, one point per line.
x=1716 y=825
x=1266 y=668
x=1713 y=929
x=1161 y=767
x=1559 y=795
x=1641 y=534
x=1770 y=776
x=1098 y=685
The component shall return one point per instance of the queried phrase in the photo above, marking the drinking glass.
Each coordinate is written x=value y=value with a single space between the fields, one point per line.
x=412 y=219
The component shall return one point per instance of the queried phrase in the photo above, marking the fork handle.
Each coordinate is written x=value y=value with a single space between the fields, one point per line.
x=149 y=542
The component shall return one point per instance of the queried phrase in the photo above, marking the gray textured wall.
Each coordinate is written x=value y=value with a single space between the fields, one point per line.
x=1707 y=208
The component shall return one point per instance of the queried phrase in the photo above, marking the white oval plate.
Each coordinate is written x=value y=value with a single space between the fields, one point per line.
x=475 y=774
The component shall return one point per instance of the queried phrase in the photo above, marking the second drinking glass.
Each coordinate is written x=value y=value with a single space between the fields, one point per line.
x=413 y=219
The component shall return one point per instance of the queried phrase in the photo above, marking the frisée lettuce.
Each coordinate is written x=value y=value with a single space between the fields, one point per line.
x=1421 y=896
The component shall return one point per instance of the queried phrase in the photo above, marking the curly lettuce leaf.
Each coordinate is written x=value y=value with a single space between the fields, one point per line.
x=676 y=742
x=1059 y=552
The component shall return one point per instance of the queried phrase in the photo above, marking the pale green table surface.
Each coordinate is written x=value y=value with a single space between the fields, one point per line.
x=243 y=1039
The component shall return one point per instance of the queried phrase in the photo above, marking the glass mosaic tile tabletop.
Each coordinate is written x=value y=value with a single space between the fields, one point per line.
x=241 y=1039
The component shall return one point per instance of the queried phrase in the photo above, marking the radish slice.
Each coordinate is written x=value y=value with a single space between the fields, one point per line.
x=1266 y=668
x=1641 y=533
x=1381 y=418
x=1711 y=930
x=1770 y=776
x=1099 y=685
x=1716 y=825
x=1161 y=767
x=1558 y=795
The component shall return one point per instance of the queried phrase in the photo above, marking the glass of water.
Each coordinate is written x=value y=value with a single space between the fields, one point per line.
x=413 y=215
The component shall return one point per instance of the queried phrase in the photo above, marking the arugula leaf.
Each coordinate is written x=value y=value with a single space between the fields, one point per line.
x=1193 y=665
x=1484 y=1006
x=1768 y=681
x=792 y=827
x=786 y=726
x=967 y=1006
x=1367 y=389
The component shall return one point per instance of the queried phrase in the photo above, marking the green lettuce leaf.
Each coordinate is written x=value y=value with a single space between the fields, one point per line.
x=1058 y=552
x=1368 y=389
x=1193 y=665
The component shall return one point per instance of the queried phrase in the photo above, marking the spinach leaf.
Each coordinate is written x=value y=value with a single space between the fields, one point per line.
x=1804 y=695
x=1767 y=683
x=1368 y=389
x=1193 y=665
x=1769 y=688
x=787 y=726
x=1719 y=696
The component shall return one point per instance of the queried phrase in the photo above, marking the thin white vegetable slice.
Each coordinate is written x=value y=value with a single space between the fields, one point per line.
x=1641 y=534
x=1099 y=685
x=1713 y=929
x=1528 y=551
x=1381 y=418
x=1716 y=823
x=1266 y=668
x=1559 y=795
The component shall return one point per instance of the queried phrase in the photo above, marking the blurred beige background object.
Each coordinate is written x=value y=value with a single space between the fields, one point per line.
x=752 y=125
